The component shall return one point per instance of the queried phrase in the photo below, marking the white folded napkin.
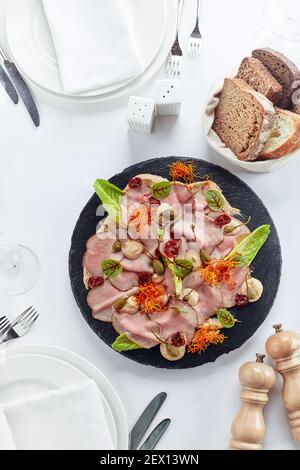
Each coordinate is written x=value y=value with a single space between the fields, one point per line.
x=94 y=43
x=71 y=418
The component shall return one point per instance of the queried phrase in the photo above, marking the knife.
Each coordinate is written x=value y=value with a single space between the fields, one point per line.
x=145 y=420
x=8 y=85
x=22 y=88
x=151 y=442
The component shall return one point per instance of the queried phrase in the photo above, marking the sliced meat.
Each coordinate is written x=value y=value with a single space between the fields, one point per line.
x=228 y=295
x=193 y=281
x=208 y=234
x=99 y=247
x=151 y=246
x=101 y=298
x=210 y=299
x=184 y=194
x=143 y=264
x=168 y=282
x=179 y=317
x=139 y=328
x=125 y=281
x=230 y=241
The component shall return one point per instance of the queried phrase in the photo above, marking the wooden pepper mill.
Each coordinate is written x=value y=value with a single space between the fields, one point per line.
x=284 y=348
x=248 y=428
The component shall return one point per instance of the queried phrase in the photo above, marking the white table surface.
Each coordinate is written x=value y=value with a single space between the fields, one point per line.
x=46 y=177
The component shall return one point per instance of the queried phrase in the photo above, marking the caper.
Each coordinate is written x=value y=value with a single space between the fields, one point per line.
x=119 y=303
x=205 y=258
x=158 y=267
x=228 y=229
x=117 y=246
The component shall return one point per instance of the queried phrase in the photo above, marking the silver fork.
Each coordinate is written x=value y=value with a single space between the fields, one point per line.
x=174 y=62
x=5 y=326
x=21 y=325
x=195 y=39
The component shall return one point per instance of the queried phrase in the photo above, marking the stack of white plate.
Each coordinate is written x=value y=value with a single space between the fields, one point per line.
x=29 y=370
x=31 y=47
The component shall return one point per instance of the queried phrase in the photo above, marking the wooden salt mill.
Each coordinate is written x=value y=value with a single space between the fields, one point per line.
x=284 y=348
x=248 y=428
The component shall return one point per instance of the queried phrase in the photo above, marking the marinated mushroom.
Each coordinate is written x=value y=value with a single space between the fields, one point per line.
x=172 y=353
x=131 y=306
x=132 y=249
x=190 y=296
x=253 y=289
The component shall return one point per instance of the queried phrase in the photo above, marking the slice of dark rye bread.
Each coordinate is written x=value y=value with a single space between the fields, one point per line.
x=283 y=70
x=258 y=77
x=243 y=119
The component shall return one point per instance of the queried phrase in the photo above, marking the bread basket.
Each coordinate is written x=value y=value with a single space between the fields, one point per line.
x=216 y=143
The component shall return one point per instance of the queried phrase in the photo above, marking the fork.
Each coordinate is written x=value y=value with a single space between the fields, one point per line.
x=174 y=63
x=5 y=326
x=21 y=325
x=195 y=39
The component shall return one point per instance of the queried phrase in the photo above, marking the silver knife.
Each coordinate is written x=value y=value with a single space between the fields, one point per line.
x=145 y=420
x=151 y=442
x=22 y=88
x=8 y=85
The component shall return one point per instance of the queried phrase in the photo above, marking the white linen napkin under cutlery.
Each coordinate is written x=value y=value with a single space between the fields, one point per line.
x=70 y=418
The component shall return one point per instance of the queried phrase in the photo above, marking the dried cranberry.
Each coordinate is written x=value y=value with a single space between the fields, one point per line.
x=135 y=183
x=178 y=339
x=171 y=249
x=241 y=300
x=95 y=282
x=154 y=201
x=223 y=220
x=144 y=278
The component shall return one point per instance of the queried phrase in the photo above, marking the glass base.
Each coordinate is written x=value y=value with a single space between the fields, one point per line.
x=28 y=275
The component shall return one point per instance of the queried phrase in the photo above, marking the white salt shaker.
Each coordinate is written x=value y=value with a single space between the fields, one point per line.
x=168 y=97
x=141 y=114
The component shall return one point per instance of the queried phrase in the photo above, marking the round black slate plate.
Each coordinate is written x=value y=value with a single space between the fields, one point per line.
x=267 y=265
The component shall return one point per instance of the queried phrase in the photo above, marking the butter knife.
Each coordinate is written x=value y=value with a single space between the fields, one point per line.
x=155 y=436
x=145 y=420
x=8 y=85
x=22 y=88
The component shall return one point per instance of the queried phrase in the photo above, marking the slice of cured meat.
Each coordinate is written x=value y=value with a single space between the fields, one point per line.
x=179 y=317
x=101 y=298
x=139 y=328
x=99 y=247
x=143 y=264
x=125 y=281
x=228 y=295
x=210 y=299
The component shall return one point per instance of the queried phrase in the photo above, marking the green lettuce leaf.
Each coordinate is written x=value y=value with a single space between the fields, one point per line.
x=246 y=251
x=110 y=196
x=123 y=343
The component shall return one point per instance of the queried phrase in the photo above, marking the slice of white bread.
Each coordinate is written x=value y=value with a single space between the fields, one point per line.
x=243 y=119
x=285 y=136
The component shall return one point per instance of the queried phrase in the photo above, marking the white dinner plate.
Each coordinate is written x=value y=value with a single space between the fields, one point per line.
x=31 y=47
x=32 y=369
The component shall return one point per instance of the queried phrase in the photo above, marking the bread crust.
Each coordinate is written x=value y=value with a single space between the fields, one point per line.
x=267 y=119
x=287 y=66
x=260 y=79
x=287 y=147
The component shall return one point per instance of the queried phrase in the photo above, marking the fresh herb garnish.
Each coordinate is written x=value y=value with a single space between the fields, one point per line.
x=111 y=267
x=183 y=267
x=246 y=251
x=110 y=196
x=161 y=190
x=123 y=343
x=226 y=318
x=215 y=200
